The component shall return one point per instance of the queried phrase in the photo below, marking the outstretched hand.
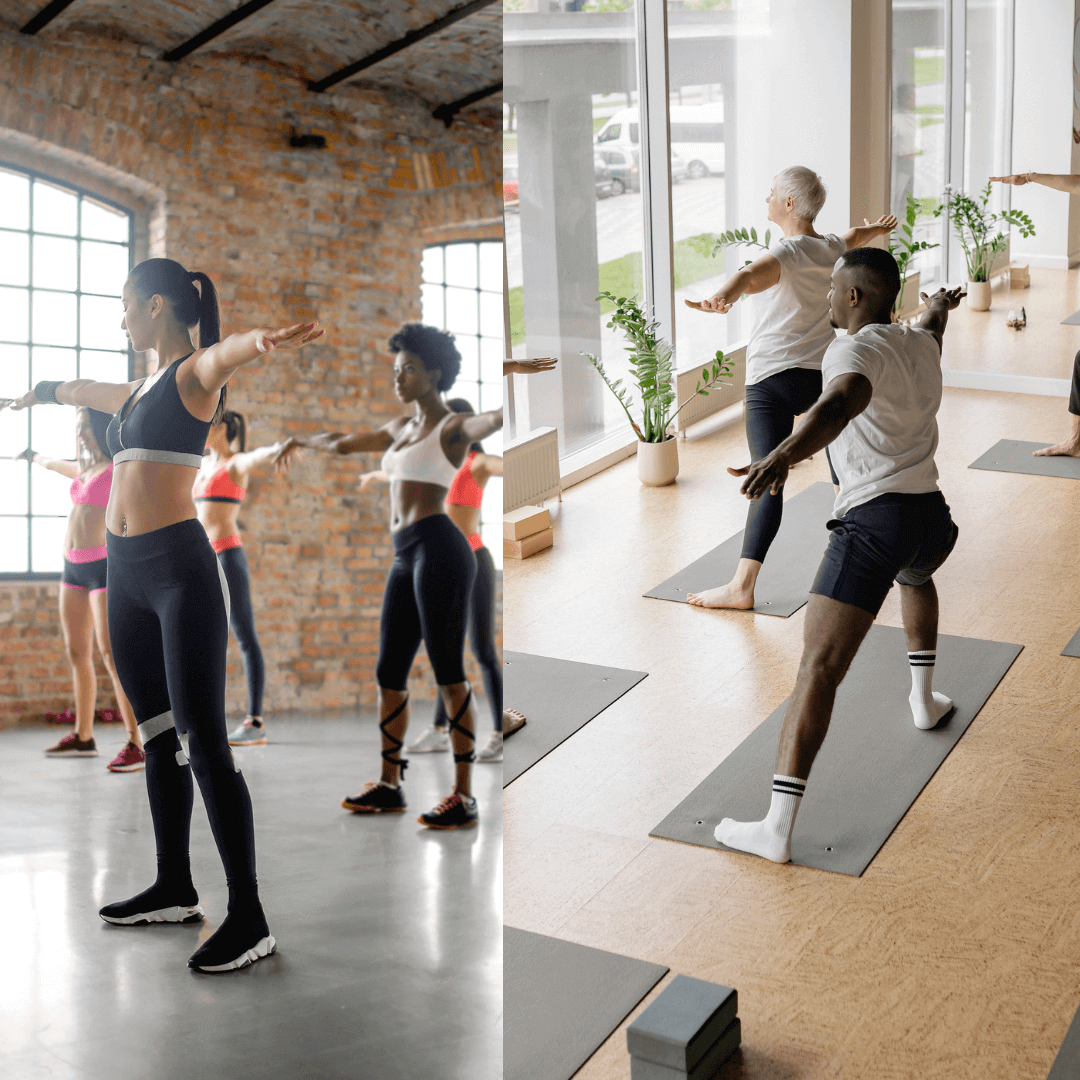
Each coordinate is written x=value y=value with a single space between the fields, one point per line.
x=886 y=223
x=1017 y=179
x=289 y=337
x=768 y=474
x=288 y=451
x=717 y=304
x=24 y=402
x=950 y=297
x=529 y=367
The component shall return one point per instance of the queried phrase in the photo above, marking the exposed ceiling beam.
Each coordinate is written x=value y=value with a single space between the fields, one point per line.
x=446 y=113
x=46 y=15
x=410 y=38
x=211 y=32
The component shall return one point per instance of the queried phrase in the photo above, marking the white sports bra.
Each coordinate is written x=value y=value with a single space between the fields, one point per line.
x=423 y=461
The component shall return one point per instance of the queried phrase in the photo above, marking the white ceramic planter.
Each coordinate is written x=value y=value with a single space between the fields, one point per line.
x=909 y=297
x=978 y=297
x=658 y=463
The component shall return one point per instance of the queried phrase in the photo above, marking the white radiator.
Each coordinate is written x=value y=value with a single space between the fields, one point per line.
x=531 y=469
x=728 y=393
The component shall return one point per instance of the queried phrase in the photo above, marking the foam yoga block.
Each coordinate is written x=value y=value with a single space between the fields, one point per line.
x=1008 y=455
x=524 y=521
x=705 y=1069
x=529 y=545
x=681 y=1026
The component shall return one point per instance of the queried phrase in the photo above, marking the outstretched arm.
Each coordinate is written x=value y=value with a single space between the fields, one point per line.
x=103 y=396
x=250 y=460
x=70 y=469
x=214 y=365
x=528 y=367
x=841 y=401
x=861 y=235
x=763 y=273
x=487 y=465
x=337 y=442
x=938 y=306
x=478 y=427
x=1069 y=182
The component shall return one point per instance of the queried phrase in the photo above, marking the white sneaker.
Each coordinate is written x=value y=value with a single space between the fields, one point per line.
x=433 y=741
x=494 y=750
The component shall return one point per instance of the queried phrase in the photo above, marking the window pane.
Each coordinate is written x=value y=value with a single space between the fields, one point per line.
x=13 y=480
x=52 y=432
x=14 y=257
x=52 y=364
x=491 y=361
x=461 y=266
x=103 y=222
x=432 y=310
x=467 y=390
x=100 y=324
x=491 y=532
x=104 y=268
x=49 y=494
x=15 y=314
x=14 y=437
x=12 y=539
x=461 y=311
x=469 y=347
x=491 y=267
x=431 y=265
x=14 y=372
x=54 y=318
x=47 y=544
x=491 y=396
x=491 y=314
x=55 y=264
x=104 y=366
x=55 y=210
x=14 y=200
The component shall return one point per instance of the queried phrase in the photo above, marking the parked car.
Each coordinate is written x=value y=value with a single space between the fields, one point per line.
x=603 y=177
x=622 y=161
x=697 y=135
x=510 y=184
x=679 y=169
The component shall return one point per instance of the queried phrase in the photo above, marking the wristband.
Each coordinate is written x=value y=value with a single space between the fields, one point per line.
x=45 y=391
x=28 y=454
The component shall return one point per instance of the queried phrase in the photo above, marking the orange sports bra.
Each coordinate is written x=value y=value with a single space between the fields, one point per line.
x=464 y=490
x=215 y=485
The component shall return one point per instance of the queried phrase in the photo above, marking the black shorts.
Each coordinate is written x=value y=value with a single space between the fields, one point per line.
x=901 y=538
x=88 y=576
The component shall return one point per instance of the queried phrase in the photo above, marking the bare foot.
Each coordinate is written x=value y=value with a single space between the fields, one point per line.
x=725 y=596
x=512 y=720
x=1069 y=448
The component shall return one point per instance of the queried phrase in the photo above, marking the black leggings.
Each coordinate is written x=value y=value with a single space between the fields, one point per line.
x=242 y=620
x=482 y=638
x=770 y=411
x=169 y=624
x=1074 y=397
x=427 y=598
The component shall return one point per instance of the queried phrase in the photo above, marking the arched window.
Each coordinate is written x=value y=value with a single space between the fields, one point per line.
x=64 y=255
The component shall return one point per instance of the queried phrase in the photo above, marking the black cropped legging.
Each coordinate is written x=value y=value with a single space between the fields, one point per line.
x=426 y=598
x=770 y=411
x=169 y=625
x=482 y=638
x=1074 y=396
x=242 y=620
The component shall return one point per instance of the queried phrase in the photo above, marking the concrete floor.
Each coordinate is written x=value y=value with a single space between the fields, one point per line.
x=389 y=934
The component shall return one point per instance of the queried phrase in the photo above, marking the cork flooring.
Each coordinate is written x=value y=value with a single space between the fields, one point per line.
x=957 y=953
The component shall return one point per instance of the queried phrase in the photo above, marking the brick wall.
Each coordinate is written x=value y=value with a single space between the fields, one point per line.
x=200 y=151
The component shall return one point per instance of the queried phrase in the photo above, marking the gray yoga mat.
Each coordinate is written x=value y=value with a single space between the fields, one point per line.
x=872 y=765
x=1073 y=648
x=1067 y=1063
x=561 y=1001
x=1016 y=457
x=787 y=574
x=557 y=697
x=1072 y=320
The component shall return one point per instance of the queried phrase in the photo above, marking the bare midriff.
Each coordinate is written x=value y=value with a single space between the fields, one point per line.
x=149 y=495
x=412 y=501
x=219 y=519
x=466 y=518
x=85 y=528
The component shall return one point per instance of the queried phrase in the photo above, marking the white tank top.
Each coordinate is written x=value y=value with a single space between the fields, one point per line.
x=423 y=461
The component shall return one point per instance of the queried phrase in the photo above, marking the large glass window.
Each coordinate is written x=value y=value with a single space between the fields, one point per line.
x=463 y=293
x=64 y=257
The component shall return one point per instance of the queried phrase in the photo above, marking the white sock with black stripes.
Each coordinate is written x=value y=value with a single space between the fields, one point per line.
x=926 y=706
x=771 y=838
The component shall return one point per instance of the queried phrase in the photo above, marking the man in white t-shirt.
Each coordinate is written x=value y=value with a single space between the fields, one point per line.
x=878 y=415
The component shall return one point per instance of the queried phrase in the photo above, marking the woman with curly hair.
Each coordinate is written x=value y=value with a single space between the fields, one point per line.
x=430 y=583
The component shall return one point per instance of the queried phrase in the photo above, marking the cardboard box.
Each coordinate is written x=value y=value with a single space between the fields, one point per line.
x=529 y=545
x=1019 y=276
x=524 y=521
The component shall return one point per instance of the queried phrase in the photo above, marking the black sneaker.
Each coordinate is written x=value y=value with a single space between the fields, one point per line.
x=241 y=939
x=154 y=905
x=376 y=798
x=454 y=812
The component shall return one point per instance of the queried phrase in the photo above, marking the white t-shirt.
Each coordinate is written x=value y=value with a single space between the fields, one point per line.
x=889 y=446
x=791 y=320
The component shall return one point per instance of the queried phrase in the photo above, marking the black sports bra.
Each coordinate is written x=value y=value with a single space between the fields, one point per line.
x=158 y=427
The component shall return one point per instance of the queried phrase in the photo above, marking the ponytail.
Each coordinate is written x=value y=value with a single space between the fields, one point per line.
x=209 y=316
x=235 y=428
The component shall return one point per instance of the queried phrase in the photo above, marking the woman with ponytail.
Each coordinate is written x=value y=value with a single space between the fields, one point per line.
x=168 y=601
x=83 y=615
x=219 y=491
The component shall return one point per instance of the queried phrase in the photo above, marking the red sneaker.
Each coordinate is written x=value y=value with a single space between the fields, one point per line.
x=65 y=717
x=130 y=759
x=108 y=716
x=72 y=746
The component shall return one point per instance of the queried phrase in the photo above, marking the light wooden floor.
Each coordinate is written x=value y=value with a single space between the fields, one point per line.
x=957 y=954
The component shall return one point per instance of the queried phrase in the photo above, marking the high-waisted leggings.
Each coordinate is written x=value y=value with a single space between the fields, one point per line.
x=426 y=599
x=770 y=411
x=169 y=624
x=482 y=638
x=242 y=620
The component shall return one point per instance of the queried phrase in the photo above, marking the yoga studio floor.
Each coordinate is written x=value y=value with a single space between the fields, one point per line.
x=957 y=953
x=389 y=934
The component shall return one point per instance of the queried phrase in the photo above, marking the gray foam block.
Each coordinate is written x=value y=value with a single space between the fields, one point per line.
x=706 y=1068
x=556 y=697
x=1072 y=320
x=1008 y=455
x=561 y=1002
x=1073 y=648
x=786 y=575
x=680 y=1026
x=872 y=765
x=1067 y=1063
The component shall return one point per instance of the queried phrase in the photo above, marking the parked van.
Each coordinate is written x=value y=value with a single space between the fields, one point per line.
x=697 y=135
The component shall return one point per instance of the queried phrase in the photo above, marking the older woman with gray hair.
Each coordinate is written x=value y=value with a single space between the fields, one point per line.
x=790 y=334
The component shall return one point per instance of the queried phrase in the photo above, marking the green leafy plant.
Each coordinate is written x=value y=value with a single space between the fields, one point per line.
x=651 y=366
x=974 y=224
x=741 y=237
x=904 y=247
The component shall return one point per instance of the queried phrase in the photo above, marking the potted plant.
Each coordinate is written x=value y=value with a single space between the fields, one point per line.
x=903 y=248
x=651 y=366
x=974 y=224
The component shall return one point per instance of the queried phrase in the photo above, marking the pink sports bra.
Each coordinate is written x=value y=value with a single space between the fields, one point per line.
x=95 y=492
